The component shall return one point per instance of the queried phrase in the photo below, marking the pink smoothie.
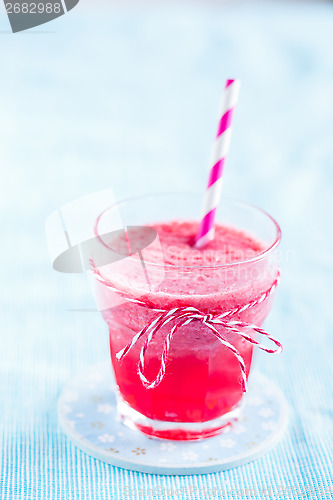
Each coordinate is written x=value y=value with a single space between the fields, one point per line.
x=203 y=379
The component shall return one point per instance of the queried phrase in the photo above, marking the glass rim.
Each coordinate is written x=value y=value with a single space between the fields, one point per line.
x=256 y=258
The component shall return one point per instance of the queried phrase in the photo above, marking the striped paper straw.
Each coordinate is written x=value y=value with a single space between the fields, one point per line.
x=220 y=150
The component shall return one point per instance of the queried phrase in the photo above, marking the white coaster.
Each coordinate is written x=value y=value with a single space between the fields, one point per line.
x=88 y=415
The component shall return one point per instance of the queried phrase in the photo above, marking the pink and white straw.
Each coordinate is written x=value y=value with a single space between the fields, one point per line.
x=220 y=150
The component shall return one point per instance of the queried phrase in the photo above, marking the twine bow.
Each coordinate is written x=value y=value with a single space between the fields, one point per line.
x=186 y=315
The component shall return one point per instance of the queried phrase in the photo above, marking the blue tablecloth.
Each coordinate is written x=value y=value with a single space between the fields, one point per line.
x=127 y=98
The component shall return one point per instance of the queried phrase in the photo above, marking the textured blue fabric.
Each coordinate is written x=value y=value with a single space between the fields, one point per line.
x=127 y=98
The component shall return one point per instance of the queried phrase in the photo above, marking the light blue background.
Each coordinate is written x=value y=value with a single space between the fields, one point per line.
x=127 y=98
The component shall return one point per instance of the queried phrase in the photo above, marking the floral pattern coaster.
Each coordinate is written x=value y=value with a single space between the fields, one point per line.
x=88 y=415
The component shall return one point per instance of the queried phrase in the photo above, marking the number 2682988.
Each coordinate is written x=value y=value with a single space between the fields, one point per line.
x=33 y=8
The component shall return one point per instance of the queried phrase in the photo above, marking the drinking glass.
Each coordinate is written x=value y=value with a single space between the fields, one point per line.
x=201 y=392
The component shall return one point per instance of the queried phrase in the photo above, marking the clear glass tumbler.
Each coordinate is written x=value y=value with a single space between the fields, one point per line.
x=202 y=388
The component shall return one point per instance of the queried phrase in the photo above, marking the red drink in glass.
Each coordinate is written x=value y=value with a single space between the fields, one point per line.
x=201 y=391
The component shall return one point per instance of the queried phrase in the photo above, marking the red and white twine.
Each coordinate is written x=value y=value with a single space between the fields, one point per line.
x=186 y=315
